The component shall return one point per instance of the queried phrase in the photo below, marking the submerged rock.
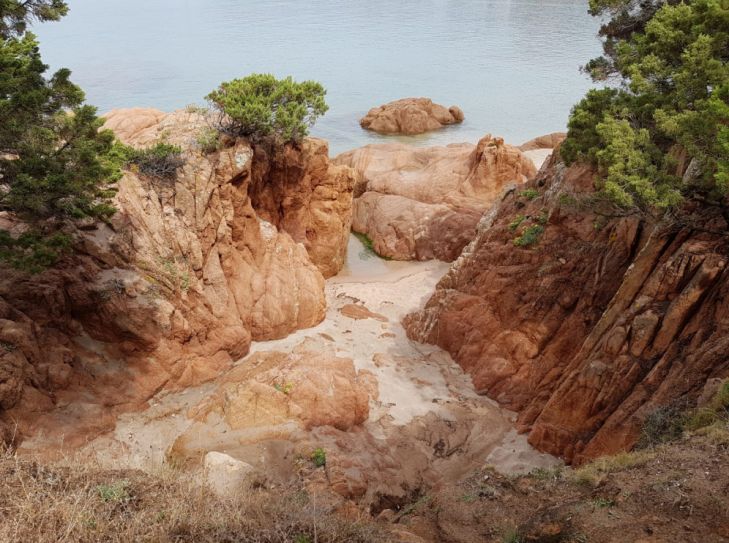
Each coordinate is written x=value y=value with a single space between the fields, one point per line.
x=410 y=116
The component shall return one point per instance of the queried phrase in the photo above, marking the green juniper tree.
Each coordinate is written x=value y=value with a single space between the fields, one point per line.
x=667 y=105
x=55 y=163
x=263 y=108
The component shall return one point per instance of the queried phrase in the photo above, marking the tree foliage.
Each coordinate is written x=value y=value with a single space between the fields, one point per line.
x=16 y=14
x=668 y=62
x=262 y=107
x=56 y=165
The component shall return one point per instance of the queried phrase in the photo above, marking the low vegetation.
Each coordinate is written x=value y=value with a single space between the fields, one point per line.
x=529 y=194
x=319 y=457
x=265 y=109
x=161 y=160
x=530 y=236
x=670 y=422
x=208 y=140
x=86 y=504
x=369 y=247
x=595 y=473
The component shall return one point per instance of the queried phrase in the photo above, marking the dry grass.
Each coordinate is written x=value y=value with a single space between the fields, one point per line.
x=85 y=504
x=595 y=472
x=717 y=433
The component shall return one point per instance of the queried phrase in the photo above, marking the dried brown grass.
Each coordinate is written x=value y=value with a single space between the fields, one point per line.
x=82 y=503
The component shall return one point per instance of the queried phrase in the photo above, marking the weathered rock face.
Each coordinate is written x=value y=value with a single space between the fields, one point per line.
x=296 y=189
x=172 y=290
x=303 y=194
x=273 y=396
x=591 y=329
x=425 y=203
x=410 y=116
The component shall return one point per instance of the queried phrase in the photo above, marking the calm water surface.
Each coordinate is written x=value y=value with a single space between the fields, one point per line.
x=511 y=65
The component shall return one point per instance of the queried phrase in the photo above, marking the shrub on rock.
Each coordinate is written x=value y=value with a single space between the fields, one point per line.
x=263 y=108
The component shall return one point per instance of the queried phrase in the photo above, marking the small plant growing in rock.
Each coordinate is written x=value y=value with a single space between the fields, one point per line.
x=663 y=424
x=195 y=109
x=543 y=217
x=516 y=223
x=567 y=200
x=546 y=474
x=319 y=457
x=284 y=388
x=530 y=236
x=263 y=108
x=512 y=536
x=529 y=194
x=208 y=140
x=369 y=247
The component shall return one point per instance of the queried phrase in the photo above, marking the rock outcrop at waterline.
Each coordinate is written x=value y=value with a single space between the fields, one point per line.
x=176 y=286
x=424 y=203
x=584 y=325
x=547 y=141
x=410 y=116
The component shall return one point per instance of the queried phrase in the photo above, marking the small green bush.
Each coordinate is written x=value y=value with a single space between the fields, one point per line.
x=602 y=503
x=116 y=492
x=530 y=236
x=516 y=223
x=512 y=536
x=263 y=108
x=161 y=160
x=529 y=194
x=319 y=457
x=369 y=248
x=668 y=423
x=543 y=217
x=208 y=140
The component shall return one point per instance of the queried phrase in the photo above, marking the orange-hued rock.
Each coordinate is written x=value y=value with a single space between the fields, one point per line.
x=302 y=193
x=547 y=141
x=595 y=326
x=295 y=188
x=424 y=203
x=274 y=395
x=177 y=285
x=410 y=116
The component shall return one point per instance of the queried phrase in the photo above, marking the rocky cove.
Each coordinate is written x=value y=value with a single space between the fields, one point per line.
x=199 y=319
x=225 y=322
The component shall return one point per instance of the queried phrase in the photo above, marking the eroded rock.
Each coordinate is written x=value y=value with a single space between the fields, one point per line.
x=590 y=327
x=425 y=203
x=180 y=282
